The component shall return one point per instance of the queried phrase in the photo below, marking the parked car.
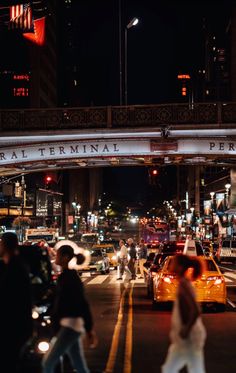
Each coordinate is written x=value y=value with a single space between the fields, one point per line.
x=210 y=288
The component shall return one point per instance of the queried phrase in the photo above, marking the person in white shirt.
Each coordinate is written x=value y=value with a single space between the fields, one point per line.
x=123 y=261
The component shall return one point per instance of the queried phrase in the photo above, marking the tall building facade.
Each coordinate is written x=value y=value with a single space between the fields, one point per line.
x=28 y=70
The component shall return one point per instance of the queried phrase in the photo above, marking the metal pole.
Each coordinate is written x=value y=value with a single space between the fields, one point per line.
x=120 y=56
x=126 y=78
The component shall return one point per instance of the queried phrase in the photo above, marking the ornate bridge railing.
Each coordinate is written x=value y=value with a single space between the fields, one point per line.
x=119 y=117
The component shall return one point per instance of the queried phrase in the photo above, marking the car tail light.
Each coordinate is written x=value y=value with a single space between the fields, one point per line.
x=168 y=278
x=217 y=279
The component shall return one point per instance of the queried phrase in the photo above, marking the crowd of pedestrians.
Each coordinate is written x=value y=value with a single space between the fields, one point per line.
x=131 y=259
x=72 y=317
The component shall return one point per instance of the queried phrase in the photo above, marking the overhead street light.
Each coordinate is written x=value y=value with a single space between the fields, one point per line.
x=134 y=21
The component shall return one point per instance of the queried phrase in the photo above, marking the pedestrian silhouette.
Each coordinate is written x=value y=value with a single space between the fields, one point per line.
x=123 y=261
x=71 y=316
x=187 y=333
x=132 y=257
x=16 y=304
x=142 y=257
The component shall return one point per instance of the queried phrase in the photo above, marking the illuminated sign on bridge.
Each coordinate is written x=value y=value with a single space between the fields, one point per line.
x=114 y=148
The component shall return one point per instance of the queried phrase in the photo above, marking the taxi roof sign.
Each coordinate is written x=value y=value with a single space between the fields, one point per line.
x=190 y=247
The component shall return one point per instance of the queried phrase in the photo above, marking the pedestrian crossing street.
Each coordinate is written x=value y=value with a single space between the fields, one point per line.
x=111 y=279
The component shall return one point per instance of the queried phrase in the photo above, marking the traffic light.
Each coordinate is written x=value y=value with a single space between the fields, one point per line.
x=153 y=173
x=47 y=181
x=184 y=91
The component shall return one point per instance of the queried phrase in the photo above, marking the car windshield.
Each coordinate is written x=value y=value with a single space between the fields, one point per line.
x=151 y=256
x=209 y=265
x=199 y=249
x=172 y=247
x=226 y=244
x=35 y=237
x=109 y=249
x=97 y=252
x=89 y=238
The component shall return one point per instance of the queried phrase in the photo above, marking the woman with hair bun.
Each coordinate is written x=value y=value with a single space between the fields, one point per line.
x=71 y=316
x=187 y=333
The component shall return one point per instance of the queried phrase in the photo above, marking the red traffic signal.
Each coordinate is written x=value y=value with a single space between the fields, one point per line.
x=48 y=179
x=154 y=171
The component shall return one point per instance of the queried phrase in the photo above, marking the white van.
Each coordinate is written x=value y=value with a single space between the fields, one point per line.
x=227 y=251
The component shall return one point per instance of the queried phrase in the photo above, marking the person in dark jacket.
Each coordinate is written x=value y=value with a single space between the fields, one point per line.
x=71 y=316
x=16 y=325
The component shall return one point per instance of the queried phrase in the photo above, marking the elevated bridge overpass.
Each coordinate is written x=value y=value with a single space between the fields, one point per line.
x=40 y=139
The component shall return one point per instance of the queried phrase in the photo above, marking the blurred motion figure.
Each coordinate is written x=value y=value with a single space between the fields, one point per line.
x=187 y=333
x=16 y=324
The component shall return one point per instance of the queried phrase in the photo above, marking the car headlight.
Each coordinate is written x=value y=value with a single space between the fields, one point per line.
x=113 y=257
x=43 y=347
x=36 y=311
x=35 y=314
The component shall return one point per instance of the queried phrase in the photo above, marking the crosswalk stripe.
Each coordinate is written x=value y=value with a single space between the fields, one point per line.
x=230 y=274
x=228 y=280
x=83 y=279
x=112 y=279
x=97 y=280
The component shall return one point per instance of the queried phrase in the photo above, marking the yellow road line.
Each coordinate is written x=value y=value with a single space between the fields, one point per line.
x=115 y=339
x=129 y=336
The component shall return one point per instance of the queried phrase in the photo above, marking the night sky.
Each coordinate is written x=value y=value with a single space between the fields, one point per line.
x=167 y=41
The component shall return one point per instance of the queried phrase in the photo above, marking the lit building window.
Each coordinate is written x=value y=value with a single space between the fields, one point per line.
x=20 y=92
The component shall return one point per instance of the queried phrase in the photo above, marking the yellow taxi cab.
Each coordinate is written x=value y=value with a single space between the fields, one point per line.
x=108 y=249
x=210 y=288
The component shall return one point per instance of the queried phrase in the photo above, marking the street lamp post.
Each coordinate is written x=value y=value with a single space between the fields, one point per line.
x=227 y=187
x=133 y=22
x=192 y=218
x=212 y=212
